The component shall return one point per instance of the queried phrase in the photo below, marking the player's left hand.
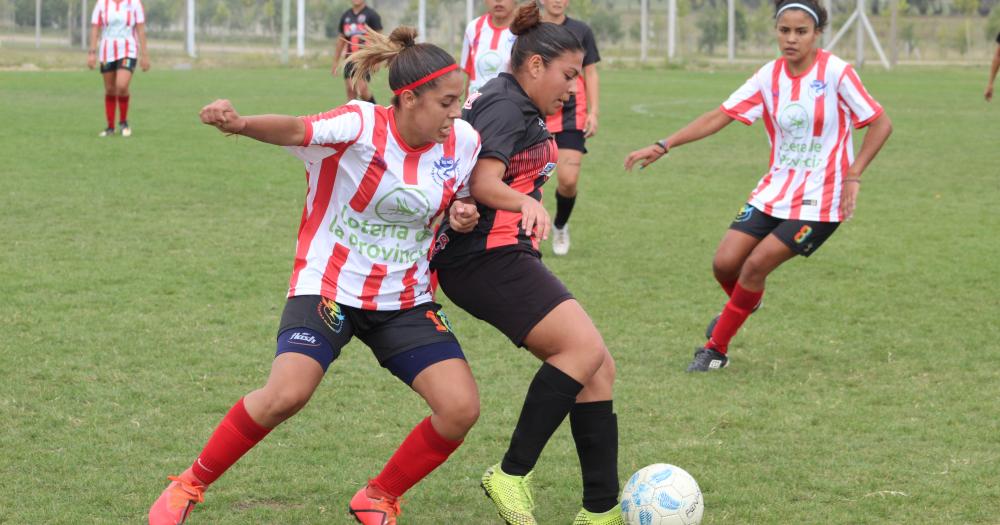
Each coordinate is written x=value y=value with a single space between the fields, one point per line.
x=988 y=94
x=463 y=216
x=144 y=63
x=590 y=126
x=644 y=157
x=849 y=197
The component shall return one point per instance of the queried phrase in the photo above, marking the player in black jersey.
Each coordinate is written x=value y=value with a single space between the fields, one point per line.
x=353 y=27
x=496 y=274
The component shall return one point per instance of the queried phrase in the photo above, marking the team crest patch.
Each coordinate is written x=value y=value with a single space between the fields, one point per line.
x=329 y=312
x=444 y=169
x=817 y=88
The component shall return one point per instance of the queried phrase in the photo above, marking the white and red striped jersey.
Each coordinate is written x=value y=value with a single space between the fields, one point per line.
x=117 y=20
x=372 y=206
x=808 y=120
x=485 y=51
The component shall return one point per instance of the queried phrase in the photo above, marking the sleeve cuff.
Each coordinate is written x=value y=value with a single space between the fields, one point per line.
x=869 y=120
x=735 y=116
x=307 y=138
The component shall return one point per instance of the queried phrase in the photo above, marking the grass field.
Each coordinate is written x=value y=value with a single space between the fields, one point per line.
x=142 y=280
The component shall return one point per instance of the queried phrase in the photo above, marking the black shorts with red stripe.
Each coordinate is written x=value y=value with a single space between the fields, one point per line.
x=127 y=64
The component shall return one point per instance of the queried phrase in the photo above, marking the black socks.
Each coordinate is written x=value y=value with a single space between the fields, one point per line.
x=595 y=431
x=564 y=207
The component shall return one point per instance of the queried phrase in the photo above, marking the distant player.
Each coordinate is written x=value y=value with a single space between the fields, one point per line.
x=574 y=123
x=993 y=70
x=122 y=26
x=354 y=26
x=379 y=181
x=495 y=273
x=809 y=100
x=487 y=43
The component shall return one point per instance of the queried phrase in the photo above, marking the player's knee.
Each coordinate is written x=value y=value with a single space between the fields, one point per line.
x=753 y=271
x=725 y=268
x=281 y=404
x=462 y=412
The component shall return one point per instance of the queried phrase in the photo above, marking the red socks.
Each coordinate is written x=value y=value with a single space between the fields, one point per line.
x=728 y=287
x=109 y=109
x=123 y=108
x=235 y=435
x=419 y=454
x=741 y=303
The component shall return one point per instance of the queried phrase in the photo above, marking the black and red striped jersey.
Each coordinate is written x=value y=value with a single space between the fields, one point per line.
x=573 y=115
x=513 y=131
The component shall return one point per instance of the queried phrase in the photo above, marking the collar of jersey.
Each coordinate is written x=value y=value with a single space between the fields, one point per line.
x=784 y=65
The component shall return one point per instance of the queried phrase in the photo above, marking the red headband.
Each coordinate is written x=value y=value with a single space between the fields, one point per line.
x=426 y=79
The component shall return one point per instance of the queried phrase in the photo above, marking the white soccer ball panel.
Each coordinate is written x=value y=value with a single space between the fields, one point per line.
x=662 y=494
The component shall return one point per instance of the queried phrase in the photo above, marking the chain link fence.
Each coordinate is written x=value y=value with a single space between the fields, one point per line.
x=926 y=31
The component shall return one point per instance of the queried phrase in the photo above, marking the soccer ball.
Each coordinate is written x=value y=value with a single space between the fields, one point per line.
x=662 y=494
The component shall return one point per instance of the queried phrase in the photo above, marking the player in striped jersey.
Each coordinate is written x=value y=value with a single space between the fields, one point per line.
x=122 y=27
x=574 y=123
x=496 y=274
x=994 y=67
x=354 y=26
x=808 y=100
x=379 y=181
x=487 y=43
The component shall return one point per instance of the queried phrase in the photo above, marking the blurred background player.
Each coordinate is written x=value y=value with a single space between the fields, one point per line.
x=574 y=123
x=363 y=163
x=354 y=26
x=994 y=67
x=496 y=274
x=809 y=99
x=487 y=43
x=122 y=24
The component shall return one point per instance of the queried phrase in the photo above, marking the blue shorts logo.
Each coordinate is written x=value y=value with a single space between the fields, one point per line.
x=744 y=214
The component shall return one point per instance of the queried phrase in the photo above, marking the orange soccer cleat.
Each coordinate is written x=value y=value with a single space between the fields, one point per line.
x=374 y=510
x=176 y=502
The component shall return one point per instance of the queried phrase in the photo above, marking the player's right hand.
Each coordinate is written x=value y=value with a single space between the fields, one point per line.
x=535 y=218
x=91 y=60
x=223 y=116
x=989 y=93
x=644 y=157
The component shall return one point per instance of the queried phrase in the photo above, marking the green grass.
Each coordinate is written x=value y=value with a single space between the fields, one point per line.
x=142 y=281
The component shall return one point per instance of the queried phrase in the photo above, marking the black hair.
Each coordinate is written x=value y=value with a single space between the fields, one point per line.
x=535 y=37
x=811 y=4
x=408 y=60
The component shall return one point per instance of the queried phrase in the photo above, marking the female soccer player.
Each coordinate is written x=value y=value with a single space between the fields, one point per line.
x=495 y=273
x=379 y=180
x=574 y=123
x=487 y=44
x=123 y=39
x=354 y=26
x=994 y=67
x=808 y=98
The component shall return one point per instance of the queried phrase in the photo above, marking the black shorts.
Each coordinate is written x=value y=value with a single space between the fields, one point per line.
x=387 y=333
x=349 y=72
x=509 y=288
x=803 y=237
x=125 y=63
x=571 y=139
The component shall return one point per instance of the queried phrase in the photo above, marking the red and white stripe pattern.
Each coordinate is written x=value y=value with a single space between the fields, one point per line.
x=807 y=119
x=372 y=206
x=117 y=20
x=485 y=51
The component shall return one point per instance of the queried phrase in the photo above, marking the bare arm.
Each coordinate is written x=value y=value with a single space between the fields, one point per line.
x=993 y=73
x=488 y=189
x=708 y=124
x=92 y=50
x=878 y=132
x=140 y=31
x=281 y=130
x=591 y=82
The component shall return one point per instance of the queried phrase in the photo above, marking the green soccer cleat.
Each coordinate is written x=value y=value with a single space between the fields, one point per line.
x=611 y=517
x=511 y=495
